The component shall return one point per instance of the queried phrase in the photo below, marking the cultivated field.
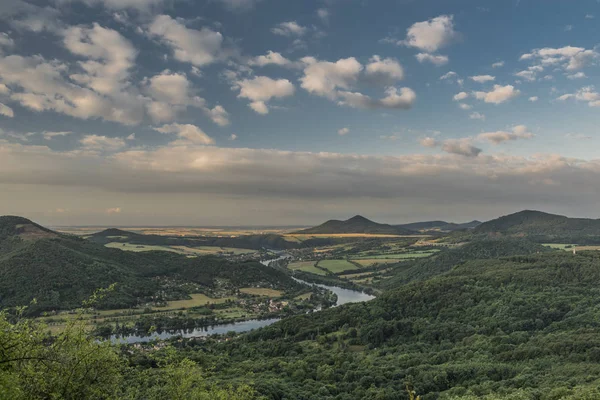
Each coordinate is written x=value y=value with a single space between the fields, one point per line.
x=306 y=266
x=336 y=266
x=262 y=292
x=186 y=250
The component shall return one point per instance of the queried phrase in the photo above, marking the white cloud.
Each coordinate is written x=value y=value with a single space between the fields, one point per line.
x=448 y=75
x=500 y=94
x=528 y=75
x=586 y=94
x=239 y=4
x=5 y=41
x=51 y=135
x=464 y=106
x=188 y=133
x=323 y=78
x=289 y=29
x=570 y=58
x=142 y=5
x=460 y=96
x=431 y=35
x=343 y=131
x=261 y=89
x=518 y=132
x=113 y=210
x=323 y=15
x=233 y=137
x=6 y=111
x=462 y=147
x=218 y=115
x=432 y=58
x=578 y=75
x=131 y=137
x=533 y=99
x=428 y=142
x=498 y=64
x=197 y=47
x=476 y=115
x=568 y=28
x=589 y=16
x=101 y=143
x=393 y=100
x=271 y=58
x=385 y=71
x=482 y=78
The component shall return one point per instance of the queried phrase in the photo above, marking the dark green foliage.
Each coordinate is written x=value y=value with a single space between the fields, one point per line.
x=356 y=224
x=439 y=225
x=422 y=269
x=543 y=227
x=60 y=271
x=523 y=327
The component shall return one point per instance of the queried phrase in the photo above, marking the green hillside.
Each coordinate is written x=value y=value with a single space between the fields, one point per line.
x=542 y=226
x=61 y=271
x=522 y=327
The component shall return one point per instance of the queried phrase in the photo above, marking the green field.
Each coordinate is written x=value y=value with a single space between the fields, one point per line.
x=336 y=266
x=196 y=300
x=402 y=256
x=262 y=292
x=367 y=262
x=306 y=266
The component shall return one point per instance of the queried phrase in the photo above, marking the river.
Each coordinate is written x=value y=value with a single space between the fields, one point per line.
x=344 y=296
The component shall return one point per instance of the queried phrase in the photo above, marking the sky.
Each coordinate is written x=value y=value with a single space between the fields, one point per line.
x=278 y=112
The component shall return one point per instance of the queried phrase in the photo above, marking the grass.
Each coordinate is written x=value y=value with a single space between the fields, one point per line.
x=304 y=296
x=559 y=246
x=367 y=262
x=306 y=266
x=336 y=266
x=262 y=292
x=196 y=301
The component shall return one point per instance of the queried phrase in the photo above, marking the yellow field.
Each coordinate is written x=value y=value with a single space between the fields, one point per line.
x=262 y=292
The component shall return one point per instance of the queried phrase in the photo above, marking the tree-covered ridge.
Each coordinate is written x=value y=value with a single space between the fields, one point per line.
x=540 y=225
x=446 y=260
x=356 y=224
x=522 y=327
x=61 y=271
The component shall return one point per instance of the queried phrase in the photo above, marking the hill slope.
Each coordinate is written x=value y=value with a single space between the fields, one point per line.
x=61 y=271
x=542 y=225
x=439 y=225
x=356 y=224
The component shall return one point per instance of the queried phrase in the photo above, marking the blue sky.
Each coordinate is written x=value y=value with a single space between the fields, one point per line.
x=280 y=112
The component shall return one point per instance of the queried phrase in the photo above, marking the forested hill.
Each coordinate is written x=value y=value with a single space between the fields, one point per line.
x=356 y=224
x=541 y=226
x=517 y=328
x=60 y=271
x=438 y=225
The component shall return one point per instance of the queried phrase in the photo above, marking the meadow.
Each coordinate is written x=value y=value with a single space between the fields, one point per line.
x=335 y=266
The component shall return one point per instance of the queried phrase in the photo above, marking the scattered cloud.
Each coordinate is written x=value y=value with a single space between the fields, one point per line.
x=238 y=5
x=197 y=47
x=271 y=58
x=233 y=137
x=432 y=58
x=500 y=94
x=384 y=71
x=259 y=90
x=112 y=211
x=188 y=133
x=577 y=75
x=464 y=106
x=428 y=142
x=449 y=75
x=289 y=29
x=533 y=99
x=431 y=35
x=323 y=15
x=476 y=115
x=482 y=78
x=393 y=100
x=460 y=96
x=462 y=147
x=102 y=143
x=570 y=58
x=517 y=132
x=568 y=28
x=323 y=78
x=586 y=94
x=49 y=135
x=343 y=131
x=498 y=64
x=6 y=111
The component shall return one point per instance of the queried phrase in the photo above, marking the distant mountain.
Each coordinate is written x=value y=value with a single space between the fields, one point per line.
x=442 y=226
x=356 y=224
x=60 y=271
x=530 y=222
